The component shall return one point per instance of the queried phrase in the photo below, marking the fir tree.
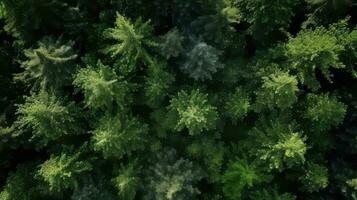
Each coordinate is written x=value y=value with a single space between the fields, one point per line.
x=193 y=112
x=50 y=65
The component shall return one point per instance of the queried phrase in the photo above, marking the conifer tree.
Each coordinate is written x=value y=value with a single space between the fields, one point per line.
x=48 y=117
x=180 y=99
x=50 y=65
x=132 y=42
x=193 y=112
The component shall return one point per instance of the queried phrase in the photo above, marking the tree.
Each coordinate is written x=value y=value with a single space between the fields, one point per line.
x=278 y=91
x=50 y=65
x=116 y=136
x=157 y=83
x=127 y=182
x=171 y=44
x=132 y=42
x=239 y=176
x=280 y=144
x=171 y=178
x=102 y=87
x=237 y=105
x=193 y=112
x=48 y=117
x=61 y=172
x=324 y=111
x=313 y=50
x=202 y=61
x=315 y=178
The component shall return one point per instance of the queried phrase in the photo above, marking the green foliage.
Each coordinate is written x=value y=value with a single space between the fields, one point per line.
x=157 y=83
x=179 y=99
x=280 y=145
x=237 y=105
x=278 y=91
x=50 y=65
x=48 y=117
x=193 y=112
x=216 y=28
x=171 y=178
x=20 y=185
x=92 y=189
x=201 y=62
x=324 y=111
x=265 y=15
x=26 y=17
x=271 y=195
x=171 y=44
x=313 y=50
x=101 y=87
x=211 y=153
x=116 y=136
x=132 y=42
x=127 y=182
x=2 y=11
x=239 y=176
x=352 y=183
x=315 y=178
x=62 y=172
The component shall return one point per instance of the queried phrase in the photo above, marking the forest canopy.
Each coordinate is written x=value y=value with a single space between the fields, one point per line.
x=178 y=100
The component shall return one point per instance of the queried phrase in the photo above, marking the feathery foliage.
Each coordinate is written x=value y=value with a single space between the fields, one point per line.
x=132 y=42
x=193 y=112
x=179 y=99
x=50 y=65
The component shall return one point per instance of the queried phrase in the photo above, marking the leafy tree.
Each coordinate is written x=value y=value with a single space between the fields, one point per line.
x=193 y=112
x=50 y=65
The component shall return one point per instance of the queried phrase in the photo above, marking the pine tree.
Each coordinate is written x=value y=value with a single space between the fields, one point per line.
x=102 y=87
x=48 y=117
x=132 y=42
x=62 y=172
x=193 y=112
x=49 y=66
x=116 y=136
x=280 y=144
x=171 y=178
x=239 y=176
x=324 y=111
x=202 y=61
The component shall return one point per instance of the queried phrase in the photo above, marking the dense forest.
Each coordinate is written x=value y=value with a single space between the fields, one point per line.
x=178 y=100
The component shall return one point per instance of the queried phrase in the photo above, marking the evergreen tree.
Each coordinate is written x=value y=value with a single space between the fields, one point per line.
x=179 y=99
